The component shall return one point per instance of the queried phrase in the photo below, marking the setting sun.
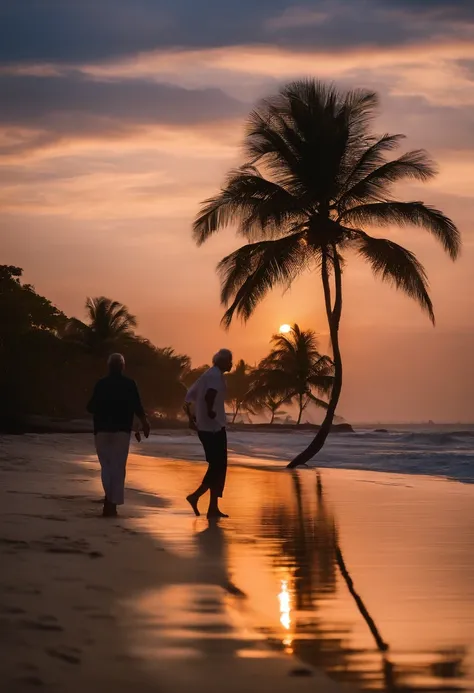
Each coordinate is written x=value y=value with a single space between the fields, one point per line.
x=284 y=329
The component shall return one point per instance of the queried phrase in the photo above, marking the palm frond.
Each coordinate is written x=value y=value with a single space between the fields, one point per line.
x=321 y=382
x=398 y=266
x=75 y=330
x=251 y=271
x=367 y=157
x=317 y=401
x=375 y=186
x=216 y=213
x=265 y=139
x=408 y=213
x=258 y=205
x=302 y=136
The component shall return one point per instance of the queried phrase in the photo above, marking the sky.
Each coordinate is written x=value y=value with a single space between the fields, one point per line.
x=119 y=117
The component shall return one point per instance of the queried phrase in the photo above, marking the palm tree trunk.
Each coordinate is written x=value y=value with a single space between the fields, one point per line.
x=334 y=317
x=237 y=408
x=300 y=401
x=341 y=564
x=272 y=418
x=381 y=644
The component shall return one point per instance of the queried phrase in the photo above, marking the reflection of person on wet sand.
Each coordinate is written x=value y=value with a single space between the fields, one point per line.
x=207 y=396
x=212 y=548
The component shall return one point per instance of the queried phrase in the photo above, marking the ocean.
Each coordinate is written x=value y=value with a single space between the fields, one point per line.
x=445 y=450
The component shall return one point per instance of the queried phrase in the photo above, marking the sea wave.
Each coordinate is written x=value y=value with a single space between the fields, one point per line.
x=421 y=437
x=447 y=452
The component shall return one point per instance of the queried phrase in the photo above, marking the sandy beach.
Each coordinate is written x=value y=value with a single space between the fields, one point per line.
x=292 y=592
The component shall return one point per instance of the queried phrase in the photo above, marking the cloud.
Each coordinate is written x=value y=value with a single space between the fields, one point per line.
x=31 y=100
x=296 y=18
x=98 y=30
x=38 y=113
x=54 y=30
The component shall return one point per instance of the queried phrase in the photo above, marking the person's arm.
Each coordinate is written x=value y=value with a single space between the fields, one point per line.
x=188 y=408
x=210 y=398
x=140 y=412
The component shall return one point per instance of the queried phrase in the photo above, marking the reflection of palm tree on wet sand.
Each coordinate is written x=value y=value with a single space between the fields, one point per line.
x=312 y=548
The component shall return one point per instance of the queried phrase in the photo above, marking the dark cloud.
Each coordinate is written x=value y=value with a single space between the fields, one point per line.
x=449 y=9
x=30 y=100
x=47 y=109
x=95 y=30
x=55 y=30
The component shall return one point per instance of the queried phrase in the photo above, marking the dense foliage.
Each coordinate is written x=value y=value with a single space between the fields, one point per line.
x=48 y=363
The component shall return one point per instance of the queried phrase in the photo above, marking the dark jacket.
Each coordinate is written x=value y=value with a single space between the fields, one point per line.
x=114 y=403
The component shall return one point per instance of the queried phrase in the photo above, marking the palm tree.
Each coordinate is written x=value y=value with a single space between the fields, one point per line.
x=238 y=383
x=261 y=401
x=110 y=324
x=294 y=370
x=315 y=176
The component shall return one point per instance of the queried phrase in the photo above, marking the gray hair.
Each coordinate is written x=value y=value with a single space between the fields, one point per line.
x=116 y=362
x=222 y=355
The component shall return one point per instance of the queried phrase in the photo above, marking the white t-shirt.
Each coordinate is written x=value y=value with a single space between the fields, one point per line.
x=212 y=379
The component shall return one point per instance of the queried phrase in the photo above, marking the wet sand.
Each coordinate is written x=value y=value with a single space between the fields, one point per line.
x=309 y=574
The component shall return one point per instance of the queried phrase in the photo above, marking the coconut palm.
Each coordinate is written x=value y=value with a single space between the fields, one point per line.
x=264 y=401
x=294 y=370
x=316 y=176
x=109 y=324
x=238 y=383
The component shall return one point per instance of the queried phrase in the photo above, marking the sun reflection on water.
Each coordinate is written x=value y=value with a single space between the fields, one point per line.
x=284 y=598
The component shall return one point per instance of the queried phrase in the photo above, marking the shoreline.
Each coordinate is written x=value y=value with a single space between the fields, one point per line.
x=41 y=425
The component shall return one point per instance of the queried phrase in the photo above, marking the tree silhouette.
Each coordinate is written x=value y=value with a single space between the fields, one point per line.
x=294 y=370
x=261 y=400
x=315 y=176
x=238 y=383
x=110 y=324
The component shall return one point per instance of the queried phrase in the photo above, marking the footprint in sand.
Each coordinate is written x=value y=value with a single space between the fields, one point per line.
x=59 y=544
x=26 y=590
x=71 y=655
x=11 y=610
x=99 y=588
x=43 y=625
x=31 y=681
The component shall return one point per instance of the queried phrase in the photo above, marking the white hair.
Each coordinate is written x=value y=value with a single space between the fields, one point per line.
x=116 y=362
x=222 y=355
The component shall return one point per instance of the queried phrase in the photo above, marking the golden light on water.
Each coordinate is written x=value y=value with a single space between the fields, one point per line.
x=285 y=614
x=285 y=329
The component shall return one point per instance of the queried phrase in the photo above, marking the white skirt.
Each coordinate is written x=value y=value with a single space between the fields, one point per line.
x=112 y=451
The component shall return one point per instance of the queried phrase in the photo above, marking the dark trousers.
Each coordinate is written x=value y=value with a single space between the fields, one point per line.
x=215 y=449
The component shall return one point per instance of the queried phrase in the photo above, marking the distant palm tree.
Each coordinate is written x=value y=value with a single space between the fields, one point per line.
x=238 y=383
x=294 y=370
x=110 y=323
x=315 y=176
x=263 y=401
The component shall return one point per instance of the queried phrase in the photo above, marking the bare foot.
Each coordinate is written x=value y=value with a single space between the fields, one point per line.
x=215 y=513
x=193 y=502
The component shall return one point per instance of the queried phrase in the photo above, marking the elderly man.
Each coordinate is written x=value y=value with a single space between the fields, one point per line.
x=207 y=398
x=114 y=404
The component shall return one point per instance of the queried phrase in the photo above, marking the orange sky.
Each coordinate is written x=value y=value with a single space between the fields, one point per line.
x=105 y=159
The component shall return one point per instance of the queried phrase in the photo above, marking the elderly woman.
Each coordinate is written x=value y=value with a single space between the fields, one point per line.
x=114 y=404
x=205 y=407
